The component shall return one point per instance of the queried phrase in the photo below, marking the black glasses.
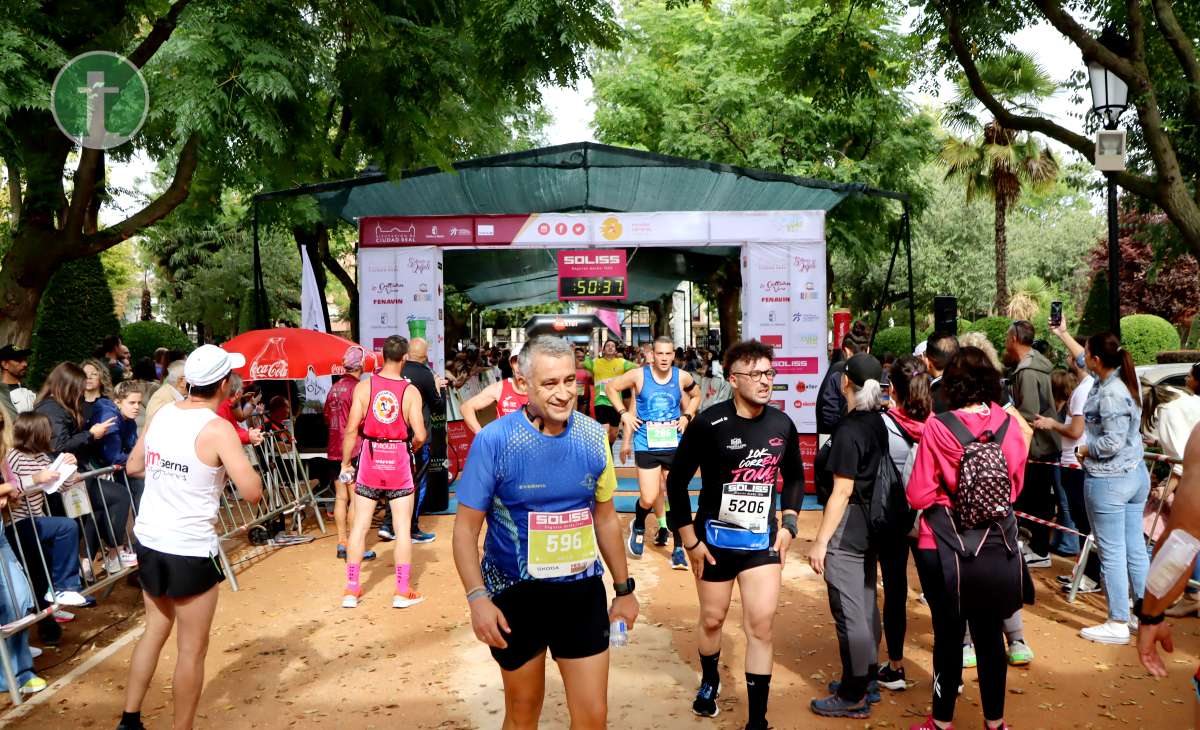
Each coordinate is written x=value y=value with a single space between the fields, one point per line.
x=758 y=375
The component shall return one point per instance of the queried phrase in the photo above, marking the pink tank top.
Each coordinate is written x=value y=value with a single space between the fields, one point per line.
x=510 y=400
x=385 y=462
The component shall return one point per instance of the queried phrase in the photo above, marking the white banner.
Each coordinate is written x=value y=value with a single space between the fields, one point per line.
x=400 y=293
x=312 y=317
x=783 y=305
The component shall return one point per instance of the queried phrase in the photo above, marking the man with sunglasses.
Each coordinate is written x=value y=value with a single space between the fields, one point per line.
x=666 y=401
x=741 y=448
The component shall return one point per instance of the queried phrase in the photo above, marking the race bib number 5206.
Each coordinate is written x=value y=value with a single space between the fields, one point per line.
x=560 y=543
x=746 y=505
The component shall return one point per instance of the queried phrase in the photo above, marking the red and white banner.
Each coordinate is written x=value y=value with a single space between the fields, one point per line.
x=400 y=293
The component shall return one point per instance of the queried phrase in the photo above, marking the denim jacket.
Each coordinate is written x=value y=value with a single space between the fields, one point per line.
x=1111 y=429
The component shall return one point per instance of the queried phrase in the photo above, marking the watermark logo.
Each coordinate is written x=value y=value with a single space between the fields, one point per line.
x=99 y=100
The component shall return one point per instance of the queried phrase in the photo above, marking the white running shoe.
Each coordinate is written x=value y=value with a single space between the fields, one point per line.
x=1110 y=632
x=69 y=598
x=350 y=599
x=404 y=600
x=35 y=652
x=128 y=559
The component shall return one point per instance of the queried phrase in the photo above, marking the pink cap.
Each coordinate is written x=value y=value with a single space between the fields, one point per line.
x=353 y=359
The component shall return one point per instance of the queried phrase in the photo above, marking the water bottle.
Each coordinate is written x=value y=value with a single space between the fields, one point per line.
x=617 y=635
x=346 y=477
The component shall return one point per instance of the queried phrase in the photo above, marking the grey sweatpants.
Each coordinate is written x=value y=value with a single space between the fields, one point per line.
x=850 y=577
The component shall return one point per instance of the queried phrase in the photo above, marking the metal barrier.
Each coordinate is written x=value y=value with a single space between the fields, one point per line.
x=287 y=490
x=102 y=505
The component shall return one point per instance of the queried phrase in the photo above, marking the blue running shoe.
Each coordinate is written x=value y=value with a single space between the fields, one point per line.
x=341 y=552
x=637 y=542
x=368 y=555
x=678 y=560
x=872 y=690
x=706 y=700
x=420 y=538
x=835 y=706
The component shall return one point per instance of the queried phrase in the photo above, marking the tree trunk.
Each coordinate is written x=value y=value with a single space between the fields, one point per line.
x=1001 y=256
x=729 y=309
x=147 y=314
x=347 y=281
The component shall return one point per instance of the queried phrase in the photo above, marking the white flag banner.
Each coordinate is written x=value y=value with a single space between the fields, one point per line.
x=312 y=317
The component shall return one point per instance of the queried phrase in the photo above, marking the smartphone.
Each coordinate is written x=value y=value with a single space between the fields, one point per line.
x=1055 y=314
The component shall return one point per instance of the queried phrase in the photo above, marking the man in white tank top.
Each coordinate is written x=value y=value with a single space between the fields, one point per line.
x=186 y=455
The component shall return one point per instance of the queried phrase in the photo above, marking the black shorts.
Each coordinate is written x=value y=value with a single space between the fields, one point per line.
x=732 y=562
x=607 y=415
x=382 y=495
x=176 y=576
x=654 y=459
x=569 y=618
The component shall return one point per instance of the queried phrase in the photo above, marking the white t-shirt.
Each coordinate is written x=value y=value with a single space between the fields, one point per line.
x=1075 y=410
x=183 y=494
x=1175 y=423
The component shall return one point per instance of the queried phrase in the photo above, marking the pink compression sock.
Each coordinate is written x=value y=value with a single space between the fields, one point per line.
x=352 y=575
x=403 y=571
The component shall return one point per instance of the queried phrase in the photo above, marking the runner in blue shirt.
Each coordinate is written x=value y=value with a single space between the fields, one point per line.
x=543 y=479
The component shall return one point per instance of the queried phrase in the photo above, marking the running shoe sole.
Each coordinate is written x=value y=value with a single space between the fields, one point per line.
x=423 y=541
x=402 y=602
x=349 y=601
x=629 y=546
x=1106 y=639
x=898 y=685
x=862 y=714
x=701 y=714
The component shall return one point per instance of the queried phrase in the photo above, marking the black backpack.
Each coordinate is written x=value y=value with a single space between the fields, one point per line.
x=984 y=490
x=888 y=512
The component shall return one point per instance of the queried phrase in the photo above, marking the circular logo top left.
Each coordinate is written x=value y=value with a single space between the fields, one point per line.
x=99 y=100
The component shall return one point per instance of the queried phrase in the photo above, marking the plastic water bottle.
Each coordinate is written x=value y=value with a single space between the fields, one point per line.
x=346 y=477
x=617 y=635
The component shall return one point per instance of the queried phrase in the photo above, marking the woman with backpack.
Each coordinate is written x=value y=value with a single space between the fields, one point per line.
x=967 y=473
x=912 y=402
x=843 y=552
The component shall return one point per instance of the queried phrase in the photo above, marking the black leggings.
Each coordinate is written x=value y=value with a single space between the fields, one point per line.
x=1072 y=481
x=893 y=566
x=948 y=628
x=1037 y=499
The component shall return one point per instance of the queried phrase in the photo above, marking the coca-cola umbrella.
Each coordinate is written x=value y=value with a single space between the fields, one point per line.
x=289 y=353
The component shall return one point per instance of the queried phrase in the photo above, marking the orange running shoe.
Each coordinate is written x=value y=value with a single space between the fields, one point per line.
x=404 y=600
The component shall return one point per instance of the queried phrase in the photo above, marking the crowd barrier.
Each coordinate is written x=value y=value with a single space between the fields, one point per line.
x=1088 y=542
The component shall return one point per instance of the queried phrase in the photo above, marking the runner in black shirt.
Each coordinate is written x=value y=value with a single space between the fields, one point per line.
x=742 y=448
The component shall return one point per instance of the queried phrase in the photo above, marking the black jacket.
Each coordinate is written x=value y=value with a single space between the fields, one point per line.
x=68 y=436
x=422 y=379
x=831 y=404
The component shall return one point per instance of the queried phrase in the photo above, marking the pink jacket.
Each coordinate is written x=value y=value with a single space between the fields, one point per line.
x=939 y=456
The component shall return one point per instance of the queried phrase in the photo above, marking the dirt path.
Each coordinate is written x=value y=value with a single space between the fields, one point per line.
x=284 y=655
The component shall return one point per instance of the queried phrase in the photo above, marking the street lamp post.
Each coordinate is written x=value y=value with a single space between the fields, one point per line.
x=1109 y=98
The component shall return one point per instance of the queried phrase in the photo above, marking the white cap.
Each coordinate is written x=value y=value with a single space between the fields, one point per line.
x=209 y=363
x=516 y=350
x=920 y=348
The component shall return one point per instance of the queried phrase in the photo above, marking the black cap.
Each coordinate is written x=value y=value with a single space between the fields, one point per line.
x=8 y=352
x=863 y=367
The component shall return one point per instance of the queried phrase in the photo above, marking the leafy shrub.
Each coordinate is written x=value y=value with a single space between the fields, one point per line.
x=892 y=341
x=996 y=329
x=76 y=312
x=143 y=338
x=1146 y=335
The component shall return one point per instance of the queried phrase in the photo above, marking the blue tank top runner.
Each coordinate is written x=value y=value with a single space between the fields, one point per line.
x=658 y=406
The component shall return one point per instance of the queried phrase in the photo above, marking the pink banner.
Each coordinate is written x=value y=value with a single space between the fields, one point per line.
x=593 y=274
x=609 y=318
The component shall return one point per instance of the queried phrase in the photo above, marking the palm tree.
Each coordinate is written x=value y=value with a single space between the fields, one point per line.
x=995 y=160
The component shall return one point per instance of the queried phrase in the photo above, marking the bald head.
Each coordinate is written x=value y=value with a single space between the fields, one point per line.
x=418 y=350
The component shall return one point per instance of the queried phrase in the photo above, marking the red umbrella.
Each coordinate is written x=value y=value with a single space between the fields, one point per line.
x=288 y=353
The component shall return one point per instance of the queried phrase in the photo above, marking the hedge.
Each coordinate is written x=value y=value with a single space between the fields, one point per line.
x=143 y=338
x=893 y=341
x=1145 y=335
x=1178 y=356
x=996 y=329
x=75 y=313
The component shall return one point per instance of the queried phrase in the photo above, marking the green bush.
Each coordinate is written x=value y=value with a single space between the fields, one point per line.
x=1095 y=309
x=1145 y=335
x=1193 y=340
x=996 y=329
x=143 y=338
x=76 y=312
x=893 y=341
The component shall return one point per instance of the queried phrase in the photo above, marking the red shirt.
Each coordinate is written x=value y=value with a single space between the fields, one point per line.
x=940 y=453
x=510 y=400
x=337 y=412
x=225 y=410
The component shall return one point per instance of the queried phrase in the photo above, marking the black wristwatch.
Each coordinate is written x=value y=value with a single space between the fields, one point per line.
x=1144 y=620
x=626 y=588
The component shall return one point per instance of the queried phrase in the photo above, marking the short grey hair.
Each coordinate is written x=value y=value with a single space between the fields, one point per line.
x=174 y=372
x=867 y=397
x=542 y=345
x=235 y=382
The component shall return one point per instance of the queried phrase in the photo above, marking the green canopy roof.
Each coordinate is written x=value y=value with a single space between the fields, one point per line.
x=578 y=177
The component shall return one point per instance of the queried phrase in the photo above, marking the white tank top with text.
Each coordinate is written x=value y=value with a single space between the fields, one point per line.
x=183 y=494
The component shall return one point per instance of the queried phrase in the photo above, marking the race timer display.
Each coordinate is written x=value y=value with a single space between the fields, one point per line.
x=591 y=287
x=593 y=274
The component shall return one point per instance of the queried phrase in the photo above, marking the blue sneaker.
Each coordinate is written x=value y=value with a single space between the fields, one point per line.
x=872 y=690
x=420 y=538
x=637 y=542
x=386 y=534
x=705 y=704
x=678 y=560
x=341 y=552
x=835 y=706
